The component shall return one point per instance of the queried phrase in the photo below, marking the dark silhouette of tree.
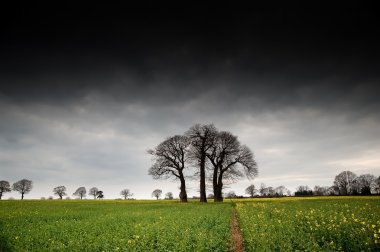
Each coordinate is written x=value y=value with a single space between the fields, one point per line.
x=170 y=158
x=365 y=183
x=93 y=192
x=60 y=191
x=157 y=193
x=230 y=161
x=251 y=190
x=4 y=187
x=80 y=192
x=126 y=193
x=303 y=191
x=344 y=182
x=100 y=195
x=169 y=195
x=202 y=139
x=23 y=186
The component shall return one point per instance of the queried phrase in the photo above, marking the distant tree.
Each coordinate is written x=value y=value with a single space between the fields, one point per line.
x=271 y=191
x=230 y=195
x=170 y=158
x=169 y=195
x=126 y=193
x=210 y=196
x=23 y=186
x=250 y=190
x=366 y=182
x=377 y=185
x=93 y=192
x=344 y=182
x=321 y=190
x=280 y=190
x=50 y=198
x=157 y=193
x=202 y=138
x=303 y=191
x=100 y=195
x=43 y=198
x=230 y=161
x=262 y=189
x=4 y=187
x=60 y=191
x=80 y=192
x=333 y=190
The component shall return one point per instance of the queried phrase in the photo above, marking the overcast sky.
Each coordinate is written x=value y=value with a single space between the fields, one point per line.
x=86 y=91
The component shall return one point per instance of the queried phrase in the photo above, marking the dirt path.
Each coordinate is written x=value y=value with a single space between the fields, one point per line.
x=237 y=244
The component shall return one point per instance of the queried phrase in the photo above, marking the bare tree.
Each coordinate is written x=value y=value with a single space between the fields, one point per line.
x=321 y=190
x=23 y=186
x=93 y=192
x=230 y=161
x=251 y=190
x=262 y=189
x=377 y=185
x=344 y=182
x=60 y=191
x=230 y=195
x=202 y=139
x=157 y=193
x=365 y=183
x=280 y=190
x=169 y=195
x=303 y=191
x=170 y=158
x=4 y=187
x=126 y=193
x=80 y=192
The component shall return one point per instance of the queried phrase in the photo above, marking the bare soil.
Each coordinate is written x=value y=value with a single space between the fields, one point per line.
x=236 y=243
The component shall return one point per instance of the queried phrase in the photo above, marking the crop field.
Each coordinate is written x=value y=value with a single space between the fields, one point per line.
x=87 y=225
x=311 y=224
x=287 y=224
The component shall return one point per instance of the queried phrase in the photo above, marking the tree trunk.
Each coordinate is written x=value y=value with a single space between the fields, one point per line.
x=218 y=197
x=1 y=195
x=202 y=188
x=218 y=188
x=183 y=194
x=81 y=196
x=22 y=196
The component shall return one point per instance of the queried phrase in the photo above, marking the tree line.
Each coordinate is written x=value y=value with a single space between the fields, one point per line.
x=203 y=152
x=24 y=186
x=345 y=183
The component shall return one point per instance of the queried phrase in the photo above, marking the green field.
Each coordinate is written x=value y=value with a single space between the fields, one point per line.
x=288 y=224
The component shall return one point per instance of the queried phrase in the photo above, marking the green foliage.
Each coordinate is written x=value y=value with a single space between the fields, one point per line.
x=113 y=226
x=311 y=224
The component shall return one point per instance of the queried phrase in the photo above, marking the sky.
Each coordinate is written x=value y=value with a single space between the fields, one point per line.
x=85 y=91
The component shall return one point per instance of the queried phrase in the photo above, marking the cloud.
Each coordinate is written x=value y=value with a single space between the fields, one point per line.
x=83 y=111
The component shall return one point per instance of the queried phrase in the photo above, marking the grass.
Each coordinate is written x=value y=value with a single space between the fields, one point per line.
x=287 y=224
